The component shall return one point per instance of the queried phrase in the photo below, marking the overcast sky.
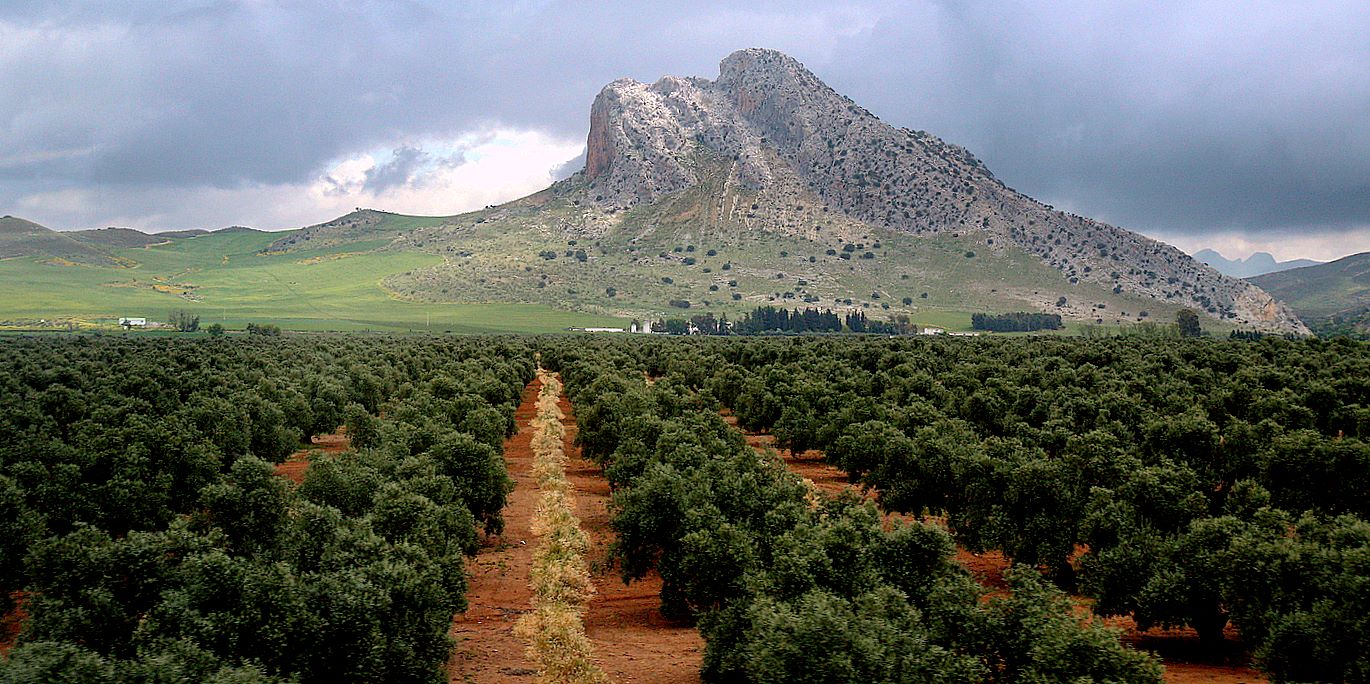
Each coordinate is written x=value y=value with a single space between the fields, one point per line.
x=1241 y=126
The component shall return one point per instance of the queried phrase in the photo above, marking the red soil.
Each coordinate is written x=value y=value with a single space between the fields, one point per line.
x=294 y=466
x=11 y=622
x=632 y=641
x=487 y=650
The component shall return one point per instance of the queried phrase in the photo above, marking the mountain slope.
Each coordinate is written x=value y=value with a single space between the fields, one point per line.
x=1259 y=263
x=358 y=226
x=767 y=186
x=1335 y=290
x=21 y=238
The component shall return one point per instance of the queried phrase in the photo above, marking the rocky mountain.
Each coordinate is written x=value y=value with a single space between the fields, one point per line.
x=763 y=186
x=1259 y=263
x=779 y=129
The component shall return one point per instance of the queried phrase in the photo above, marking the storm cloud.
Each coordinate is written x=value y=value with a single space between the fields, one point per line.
x=1242 y=124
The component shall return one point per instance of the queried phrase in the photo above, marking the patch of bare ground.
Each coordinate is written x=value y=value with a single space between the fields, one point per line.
x=293 y=466
x=1179 y=649
x=487 y=649
x=1186 y=662
x=11 y=622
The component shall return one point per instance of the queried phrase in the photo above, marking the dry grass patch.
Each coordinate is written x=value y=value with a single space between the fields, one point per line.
x=560 y=576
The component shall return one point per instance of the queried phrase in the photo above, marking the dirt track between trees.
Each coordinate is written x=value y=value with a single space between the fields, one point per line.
x=632 y=641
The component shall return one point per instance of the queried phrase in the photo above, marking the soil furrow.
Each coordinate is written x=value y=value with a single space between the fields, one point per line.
x=487 y=650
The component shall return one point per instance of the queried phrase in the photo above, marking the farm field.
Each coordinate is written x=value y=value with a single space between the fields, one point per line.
x=427 y=508
x=225 y=278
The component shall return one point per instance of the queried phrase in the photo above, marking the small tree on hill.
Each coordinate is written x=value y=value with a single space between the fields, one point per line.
x=1188 y=320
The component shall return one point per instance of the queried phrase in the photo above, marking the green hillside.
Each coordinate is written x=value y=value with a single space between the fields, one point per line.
x=116 y=237
x=1332 y=294
x=20 y=238
x=545 y=263
x=226 y=278
x=653 y=259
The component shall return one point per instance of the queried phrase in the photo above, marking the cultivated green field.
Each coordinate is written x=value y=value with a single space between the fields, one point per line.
x=223 y=278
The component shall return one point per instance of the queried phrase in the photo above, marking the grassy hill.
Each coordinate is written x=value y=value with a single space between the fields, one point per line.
x=548 y=249
x=1338 y=291
x=20 y=238
x=226 y=277
x=544 y=263
x=116 y=237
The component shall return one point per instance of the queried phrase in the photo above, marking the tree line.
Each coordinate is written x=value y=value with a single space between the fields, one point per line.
x=1179 y=482
x=1018 y=321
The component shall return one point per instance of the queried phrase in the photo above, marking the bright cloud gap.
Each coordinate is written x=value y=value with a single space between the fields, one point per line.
x=429 y=176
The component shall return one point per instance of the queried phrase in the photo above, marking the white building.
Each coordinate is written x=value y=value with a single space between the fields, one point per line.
x=133 y=322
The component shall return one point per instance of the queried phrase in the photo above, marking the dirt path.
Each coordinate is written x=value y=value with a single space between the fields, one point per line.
x=632 y=641
x=487 y=650
x=1177 y=648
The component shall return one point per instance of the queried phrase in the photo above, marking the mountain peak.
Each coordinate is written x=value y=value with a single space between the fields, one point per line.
x=770 y=147
x=761 y=66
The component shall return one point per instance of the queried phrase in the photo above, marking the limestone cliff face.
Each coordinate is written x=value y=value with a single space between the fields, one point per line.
x=785 y=135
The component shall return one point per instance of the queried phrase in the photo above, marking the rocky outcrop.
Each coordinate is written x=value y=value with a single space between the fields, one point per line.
x=789 y=138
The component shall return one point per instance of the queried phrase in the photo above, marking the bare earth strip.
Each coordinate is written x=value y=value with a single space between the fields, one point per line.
x=294 y=466
x=487 y=650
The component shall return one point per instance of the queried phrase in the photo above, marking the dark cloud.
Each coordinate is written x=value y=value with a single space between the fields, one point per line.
x=1166 y=116
x=400 y=170
x=1188 y=117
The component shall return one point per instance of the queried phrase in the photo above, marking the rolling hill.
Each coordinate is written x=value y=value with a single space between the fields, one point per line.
x=118 y=237
x=1331 y=295
x=21 y=238
x=228 y=277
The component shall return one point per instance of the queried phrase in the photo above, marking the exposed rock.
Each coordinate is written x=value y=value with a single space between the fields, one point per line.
x=813 y=158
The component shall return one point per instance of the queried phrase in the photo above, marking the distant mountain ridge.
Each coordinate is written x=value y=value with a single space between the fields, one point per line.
x=1258 y=263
